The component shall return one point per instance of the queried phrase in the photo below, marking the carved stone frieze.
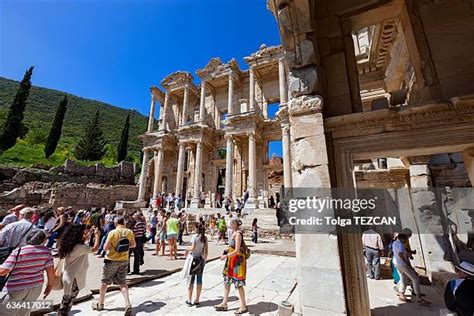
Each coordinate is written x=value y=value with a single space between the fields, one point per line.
x=304 y=105
x=409 y=118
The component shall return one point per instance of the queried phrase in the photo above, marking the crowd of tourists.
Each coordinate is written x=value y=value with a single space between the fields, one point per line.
x=31 y=237
x=459 y=293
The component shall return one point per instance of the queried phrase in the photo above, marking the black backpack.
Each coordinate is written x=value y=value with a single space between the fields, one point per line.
x=123 y=244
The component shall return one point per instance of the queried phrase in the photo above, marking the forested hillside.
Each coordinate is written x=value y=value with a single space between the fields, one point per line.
x=39 y=114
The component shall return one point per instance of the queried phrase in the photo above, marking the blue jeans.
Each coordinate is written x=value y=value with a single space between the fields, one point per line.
x=52 y=238
x=102 y=244
x=198 y=279
x=372 y=260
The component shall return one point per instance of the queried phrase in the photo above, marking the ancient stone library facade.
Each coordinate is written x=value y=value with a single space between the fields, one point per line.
x=371 y=94
x=214 y=138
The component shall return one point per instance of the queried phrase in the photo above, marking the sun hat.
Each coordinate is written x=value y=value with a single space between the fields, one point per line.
x=466 y=267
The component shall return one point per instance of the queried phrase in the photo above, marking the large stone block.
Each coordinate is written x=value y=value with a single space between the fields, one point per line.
x=302 y=55
x=420 y=182
x=302 y=81
x=309 y=152
x=419 y=170
x=306 y=125
x=322 y=289
x=328 y=251
x=316 y=177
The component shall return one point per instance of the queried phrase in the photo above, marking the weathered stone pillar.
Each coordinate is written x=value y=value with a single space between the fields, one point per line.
x=197 y=176
x=252 y=202
x=151 y=117
x=143 y=176
x=164 y=115
x=230 y=108
x=338 y=263
x=158 y=172
x=282 y=81
x=251 y=89
x=285 y=142
x=468 y=158
x=229 y=162
x=185 y=105
x=202 y=105
x=180 y=171
x=428 y=213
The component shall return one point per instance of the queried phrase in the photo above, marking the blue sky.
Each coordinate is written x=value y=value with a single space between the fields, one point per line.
x=113 y=50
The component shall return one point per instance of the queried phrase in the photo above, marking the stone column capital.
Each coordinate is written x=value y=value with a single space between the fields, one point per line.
x=229 y=137
x=305 y=104
x=251 y=135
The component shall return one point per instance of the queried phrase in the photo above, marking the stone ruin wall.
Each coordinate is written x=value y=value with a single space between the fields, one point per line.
x=91 y=196
x=68 y=185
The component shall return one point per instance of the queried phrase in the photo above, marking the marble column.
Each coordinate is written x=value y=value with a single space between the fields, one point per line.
x=230 y=94
x=285 y=142
x=282 y=81
x=202 y=105
x=252 y=202
x=229 y=162
x=143 y=177
x=151 y=117
x=180 y=171
x=428 y=213
x=197 y=176
x=185 y=105
x=251 y=89
x=158 y=172
x=165 y=110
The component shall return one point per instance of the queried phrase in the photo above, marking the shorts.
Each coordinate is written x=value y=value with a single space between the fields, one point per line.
x=162 y=236
x=197 y=278
x=237 y=283
x=172 y=236
x=115 y=271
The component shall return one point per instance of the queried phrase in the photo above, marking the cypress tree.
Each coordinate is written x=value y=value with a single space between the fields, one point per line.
x=91 y=146
x=56 y=127
x=123 y=144
x=13 y=124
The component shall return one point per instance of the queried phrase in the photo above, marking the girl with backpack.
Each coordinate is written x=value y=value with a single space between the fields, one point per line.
x=235 y=269
x=198 y=250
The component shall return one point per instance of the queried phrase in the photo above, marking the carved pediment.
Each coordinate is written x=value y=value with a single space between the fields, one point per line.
x=215 y=68
x=177 y=80
x=264 y=55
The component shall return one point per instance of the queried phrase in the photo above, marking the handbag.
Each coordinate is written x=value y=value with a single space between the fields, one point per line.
x=4 y=280
x=58 y=275
x=187 y=267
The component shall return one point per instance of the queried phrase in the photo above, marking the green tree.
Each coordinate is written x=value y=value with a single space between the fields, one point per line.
x=36 y=136
x=56 y=127
x=123 y=144
x=13 y=123
x=91 y=146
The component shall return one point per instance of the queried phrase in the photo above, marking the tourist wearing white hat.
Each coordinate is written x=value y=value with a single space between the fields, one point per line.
x=459 y=293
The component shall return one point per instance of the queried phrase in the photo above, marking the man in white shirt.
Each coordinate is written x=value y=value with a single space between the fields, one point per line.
x=373 y=249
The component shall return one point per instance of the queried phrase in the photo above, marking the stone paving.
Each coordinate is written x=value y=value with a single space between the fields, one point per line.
x=271 y=279
x=384 y=302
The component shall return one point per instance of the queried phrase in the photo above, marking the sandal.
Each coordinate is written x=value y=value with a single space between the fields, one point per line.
x=189 y=303
x=196 y=303
x=241 y=311
x=221 y=308
x=96 y=306
x=128 y=310
x=403 y=298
